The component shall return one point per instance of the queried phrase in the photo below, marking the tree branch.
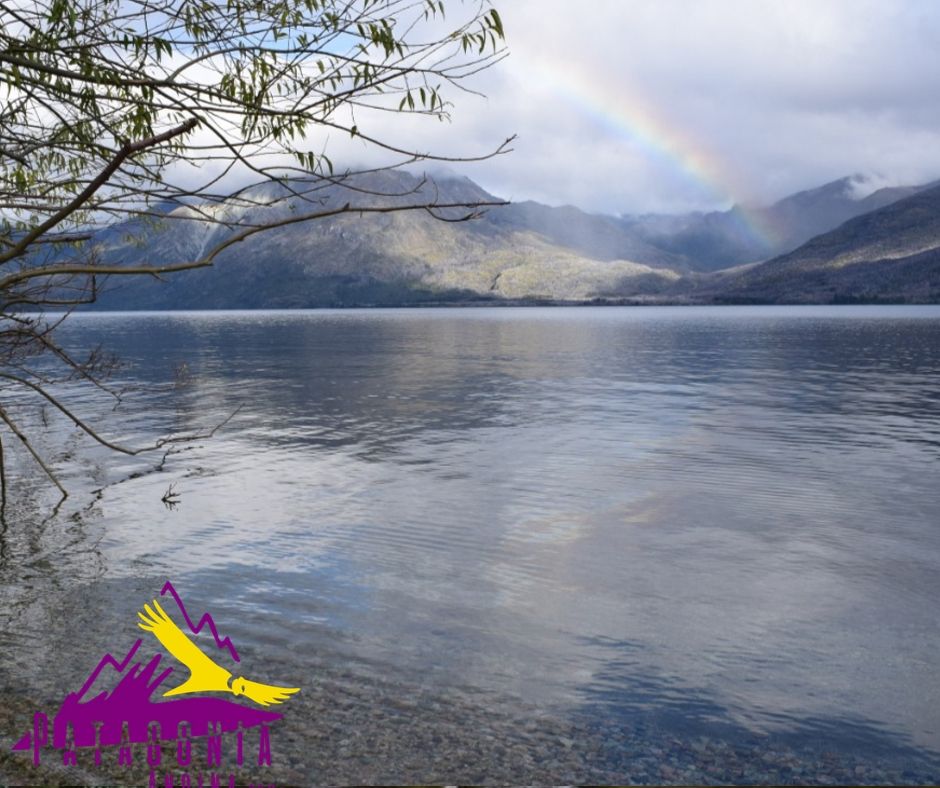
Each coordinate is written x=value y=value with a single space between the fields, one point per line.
x=128 y=149
x=206 y=260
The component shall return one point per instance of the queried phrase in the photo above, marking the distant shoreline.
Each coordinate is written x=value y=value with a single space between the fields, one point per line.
x=512 y=303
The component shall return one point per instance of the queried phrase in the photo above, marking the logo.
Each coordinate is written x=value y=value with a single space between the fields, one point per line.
x=162 y=702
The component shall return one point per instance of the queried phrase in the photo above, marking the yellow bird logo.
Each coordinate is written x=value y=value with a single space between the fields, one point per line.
x=205 y=675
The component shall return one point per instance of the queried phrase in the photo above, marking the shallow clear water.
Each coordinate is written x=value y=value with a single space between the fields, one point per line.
x=680 y=525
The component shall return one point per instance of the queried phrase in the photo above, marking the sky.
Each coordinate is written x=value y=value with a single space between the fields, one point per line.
x=634 y=106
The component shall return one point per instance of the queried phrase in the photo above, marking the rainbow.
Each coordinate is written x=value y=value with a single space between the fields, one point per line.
x=625 y=111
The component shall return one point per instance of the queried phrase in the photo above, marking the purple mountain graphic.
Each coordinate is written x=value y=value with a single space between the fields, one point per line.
x=204 y=621
x=130 y=702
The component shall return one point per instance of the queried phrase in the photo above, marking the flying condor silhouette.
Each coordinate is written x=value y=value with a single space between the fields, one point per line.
x=205 y=675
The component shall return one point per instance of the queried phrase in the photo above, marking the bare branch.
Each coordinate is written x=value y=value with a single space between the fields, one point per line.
x=29 y=447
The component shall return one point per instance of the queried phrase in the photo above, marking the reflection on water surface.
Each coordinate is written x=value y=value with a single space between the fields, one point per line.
x=523 y=543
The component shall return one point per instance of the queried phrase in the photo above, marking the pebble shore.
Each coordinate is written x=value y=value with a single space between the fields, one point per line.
x=352 y=732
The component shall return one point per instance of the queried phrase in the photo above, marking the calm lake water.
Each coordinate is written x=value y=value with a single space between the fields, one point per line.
x=582 y=544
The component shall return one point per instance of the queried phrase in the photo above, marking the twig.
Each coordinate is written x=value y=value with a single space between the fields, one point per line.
x=171 y=498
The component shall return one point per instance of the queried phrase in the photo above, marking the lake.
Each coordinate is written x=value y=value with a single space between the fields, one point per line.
x=515 y=545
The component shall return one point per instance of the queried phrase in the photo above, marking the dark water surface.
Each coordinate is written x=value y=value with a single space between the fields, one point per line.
x=509 y=545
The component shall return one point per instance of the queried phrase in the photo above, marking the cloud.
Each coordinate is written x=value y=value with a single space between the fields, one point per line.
x=632 y=106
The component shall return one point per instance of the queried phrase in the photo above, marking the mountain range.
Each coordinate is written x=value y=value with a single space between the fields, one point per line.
x=890 y=254
x=818 y=246
x=741 y=235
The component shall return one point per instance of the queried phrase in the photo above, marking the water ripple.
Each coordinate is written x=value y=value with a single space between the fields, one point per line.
x=719 y=517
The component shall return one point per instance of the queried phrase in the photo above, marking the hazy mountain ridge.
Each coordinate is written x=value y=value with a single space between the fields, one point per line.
x=892 y=253
x=722 y=239
x=523 y=251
